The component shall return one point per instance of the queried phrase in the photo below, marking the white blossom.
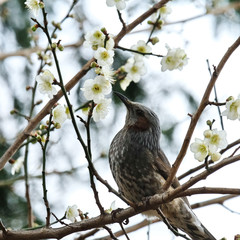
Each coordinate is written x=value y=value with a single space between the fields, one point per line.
x=107 y=72
x=109 y=44
x=112 y=207
x=104 y=56
x=96 y=89
x=215 y=156
x=163 y=11
x=72 y=213
x=120 y=4
x=135 y=69
x=59 y=114
x=176 y=58
x=213 y=140
x=216 y=140
x=200 y=149
x=232 y=109
x=96 y=39
x=45 y=81
x=141 y=47
x=34 y=6
x=100 y=111
x=16 y=166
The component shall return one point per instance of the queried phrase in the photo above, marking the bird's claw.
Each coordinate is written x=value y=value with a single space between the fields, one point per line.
x=114 y=212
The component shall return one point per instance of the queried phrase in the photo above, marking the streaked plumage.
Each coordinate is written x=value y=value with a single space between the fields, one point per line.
x=140 y=168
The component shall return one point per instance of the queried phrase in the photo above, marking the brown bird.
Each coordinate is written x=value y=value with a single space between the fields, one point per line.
x=140 y=168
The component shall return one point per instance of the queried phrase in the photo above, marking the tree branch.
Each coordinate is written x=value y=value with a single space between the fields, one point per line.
x=195 y=117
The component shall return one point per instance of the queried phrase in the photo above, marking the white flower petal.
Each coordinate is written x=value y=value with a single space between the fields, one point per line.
x=59 y=114
x=72 y=213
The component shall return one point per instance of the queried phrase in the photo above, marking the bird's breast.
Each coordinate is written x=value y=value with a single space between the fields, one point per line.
x=132 y=167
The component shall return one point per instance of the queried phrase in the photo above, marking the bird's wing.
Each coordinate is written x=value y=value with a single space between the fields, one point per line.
x=164 y=167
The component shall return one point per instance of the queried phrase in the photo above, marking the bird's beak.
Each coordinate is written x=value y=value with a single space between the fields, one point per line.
x=124 y=99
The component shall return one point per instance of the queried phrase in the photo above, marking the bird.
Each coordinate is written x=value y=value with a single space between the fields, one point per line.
x=140 y=168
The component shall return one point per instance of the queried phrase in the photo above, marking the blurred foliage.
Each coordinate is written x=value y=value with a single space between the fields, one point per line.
x=13 y=208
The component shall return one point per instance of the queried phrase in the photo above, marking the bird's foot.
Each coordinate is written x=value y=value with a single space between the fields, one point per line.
x=114 y=213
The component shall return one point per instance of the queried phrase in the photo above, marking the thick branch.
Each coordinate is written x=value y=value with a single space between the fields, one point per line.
x=179 y=190
x=196 y=116
x=120 y=216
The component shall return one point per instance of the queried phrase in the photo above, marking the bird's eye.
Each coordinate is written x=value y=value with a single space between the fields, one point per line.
x=140 y=112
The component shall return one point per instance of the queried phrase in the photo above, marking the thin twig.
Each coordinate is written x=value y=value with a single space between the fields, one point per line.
x=121 y=19
x=60 y=220
x=141 y=53
x=27 y=193
x=216 y=98
x=154 y=27
x=123 y=229
x=44 y=148
x=219 y=200
x=110 y=233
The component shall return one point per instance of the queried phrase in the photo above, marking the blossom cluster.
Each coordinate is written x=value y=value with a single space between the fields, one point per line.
x=46 y=82
x=176 y=58
x=209 y=146
x=135 y=67
x=98 y=88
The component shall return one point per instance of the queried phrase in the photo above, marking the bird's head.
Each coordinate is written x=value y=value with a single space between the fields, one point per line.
x=139 y=117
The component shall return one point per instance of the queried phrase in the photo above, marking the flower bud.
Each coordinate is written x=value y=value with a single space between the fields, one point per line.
x=94 y=64
x=154 y=40
x=230 y=98
x=13 y=111
x=209 y=123
x=42 y=127
x=57 y=125
x=104 y=30
x=41 y=4
x=60 y=47
x=34 y=27
x=54 y=45
x=54 y=36
x=28 y=88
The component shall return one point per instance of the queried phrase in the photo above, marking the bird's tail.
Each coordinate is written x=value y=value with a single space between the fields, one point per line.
x=188 y=222
x=181 y=216
x=198 y=232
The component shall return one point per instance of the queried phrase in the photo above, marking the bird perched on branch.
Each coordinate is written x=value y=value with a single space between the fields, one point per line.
x=140 y=168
